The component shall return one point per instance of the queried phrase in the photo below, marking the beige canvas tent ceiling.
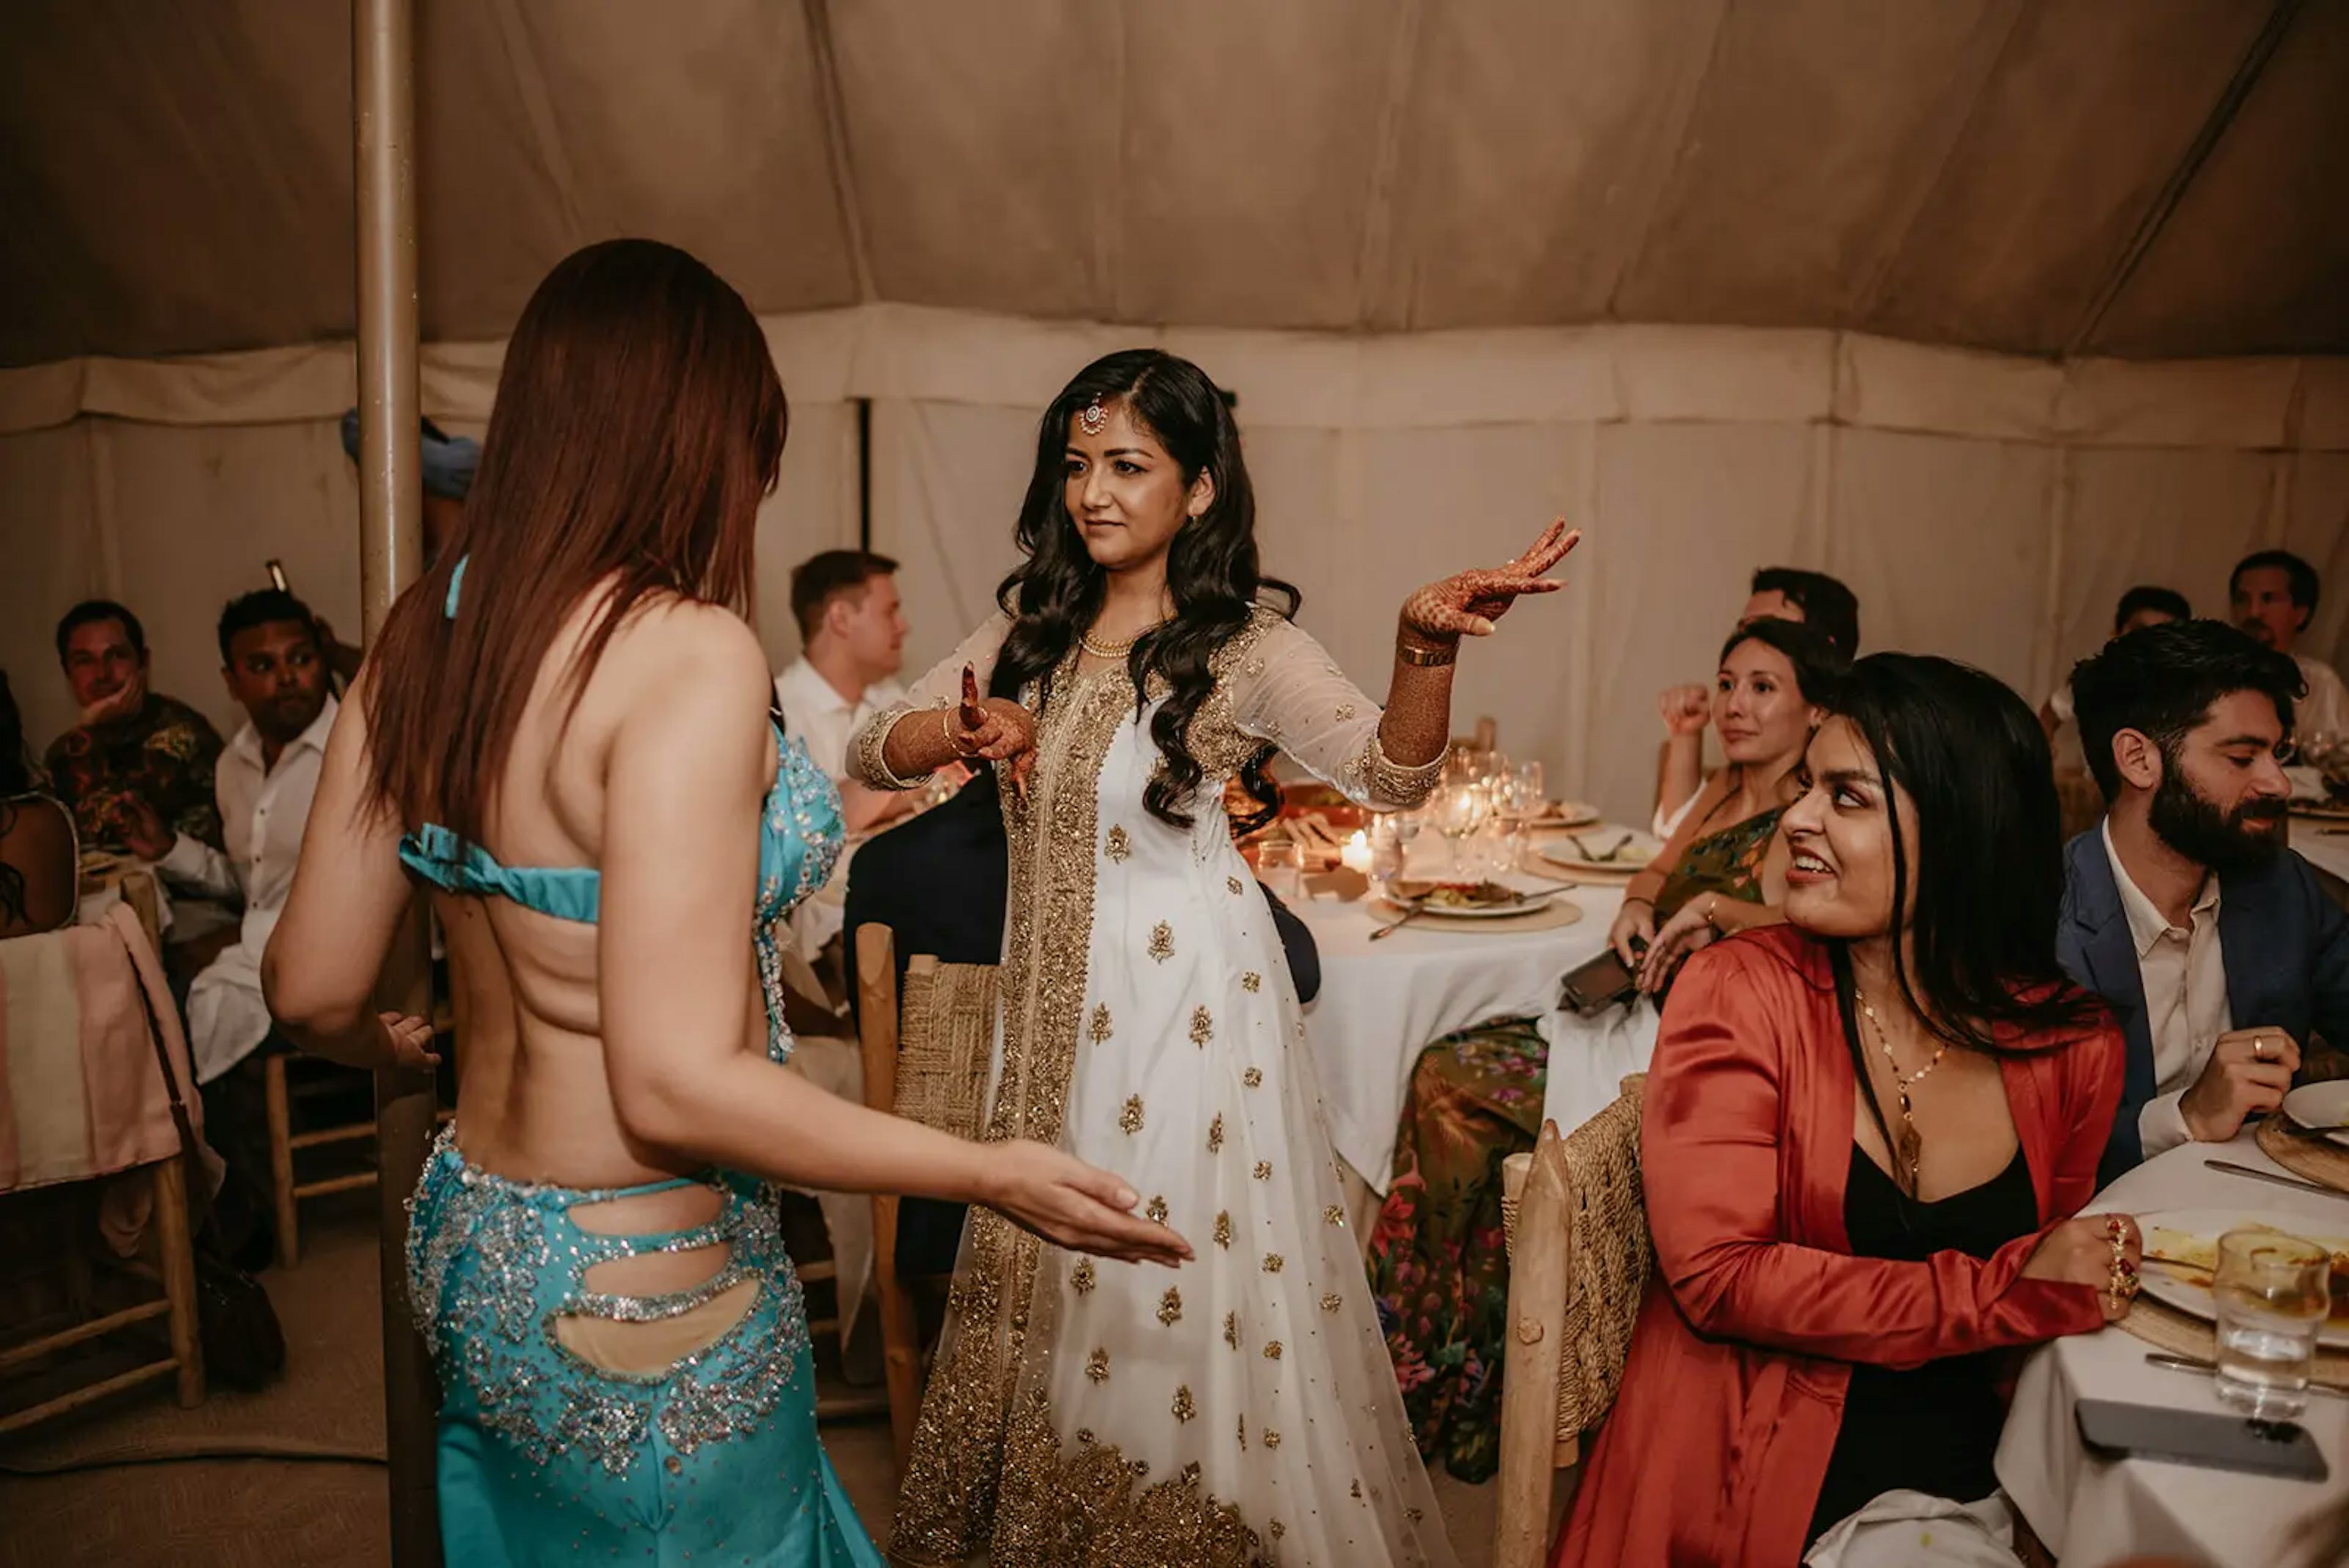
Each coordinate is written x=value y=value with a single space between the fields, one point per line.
x=2134 y=177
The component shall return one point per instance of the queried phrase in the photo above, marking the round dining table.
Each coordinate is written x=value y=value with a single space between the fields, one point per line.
x=2092 y=1510
x=1383 y=1001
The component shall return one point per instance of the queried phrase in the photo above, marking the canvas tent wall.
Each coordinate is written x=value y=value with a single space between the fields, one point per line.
x=1883 y=257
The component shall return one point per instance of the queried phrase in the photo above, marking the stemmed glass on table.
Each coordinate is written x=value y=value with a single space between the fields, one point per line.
x=1458 y=810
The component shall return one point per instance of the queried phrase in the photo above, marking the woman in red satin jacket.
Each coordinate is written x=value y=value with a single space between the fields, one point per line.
x=1863 y=1140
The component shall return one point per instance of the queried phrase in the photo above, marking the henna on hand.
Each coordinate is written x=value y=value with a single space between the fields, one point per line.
x=1469 y=603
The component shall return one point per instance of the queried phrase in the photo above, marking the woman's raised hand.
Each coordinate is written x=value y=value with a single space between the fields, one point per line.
x=1686 y=710
x=1469 y=603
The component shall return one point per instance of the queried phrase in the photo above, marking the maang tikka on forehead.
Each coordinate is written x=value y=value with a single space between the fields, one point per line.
x=1093 y=417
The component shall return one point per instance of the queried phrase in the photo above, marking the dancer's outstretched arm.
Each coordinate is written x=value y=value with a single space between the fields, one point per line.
x=1418 y=722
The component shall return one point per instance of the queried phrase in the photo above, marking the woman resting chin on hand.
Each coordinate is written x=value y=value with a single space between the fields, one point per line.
x=1865 y=1134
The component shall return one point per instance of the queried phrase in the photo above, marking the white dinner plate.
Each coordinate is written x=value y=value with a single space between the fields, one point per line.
x=2324 y=1105
x=1561 y=816
x=1525 y=906
x=2190 y=1292
x=1576 y=851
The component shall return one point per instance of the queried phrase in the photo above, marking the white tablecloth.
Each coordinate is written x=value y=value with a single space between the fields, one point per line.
x=1381 y=1003
x=2091 y=1512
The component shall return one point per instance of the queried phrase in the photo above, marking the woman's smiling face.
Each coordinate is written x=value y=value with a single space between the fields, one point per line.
x=1839 y=838
x=1126 y=497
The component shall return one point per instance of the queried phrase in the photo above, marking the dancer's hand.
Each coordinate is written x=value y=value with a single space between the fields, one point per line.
x=1070 y=1204
x=995 y=730
x=1469 y=603
x=406 y=1042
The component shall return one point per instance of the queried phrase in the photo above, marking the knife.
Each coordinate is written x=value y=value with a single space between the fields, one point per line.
x=1418 y=907
x=2231 y=1168
x=2169 y=1362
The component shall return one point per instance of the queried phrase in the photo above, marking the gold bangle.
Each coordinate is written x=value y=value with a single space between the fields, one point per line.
x=1426 y=657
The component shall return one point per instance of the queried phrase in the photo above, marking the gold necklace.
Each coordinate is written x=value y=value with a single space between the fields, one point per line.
x=1114 y=649
x=1911 y=1151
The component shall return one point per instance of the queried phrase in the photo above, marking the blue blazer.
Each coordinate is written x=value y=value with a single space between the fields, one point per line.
x=2284 y=941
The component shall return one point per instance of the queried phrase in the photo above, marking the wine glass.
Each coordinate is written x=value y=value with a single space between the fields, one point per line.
x=1529 y=793
x=1458 y=810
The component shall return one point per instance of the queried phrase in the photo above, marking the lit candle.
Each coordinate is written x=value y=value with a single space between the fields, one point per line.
x=1356 y=856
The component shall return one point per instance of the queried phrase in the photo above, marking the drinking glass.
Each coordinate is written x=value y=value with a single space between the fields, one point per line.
x=1457 y=810
x=2273 y=1292
x=1527 y=792
x=1280 y=862
x=1387 y=850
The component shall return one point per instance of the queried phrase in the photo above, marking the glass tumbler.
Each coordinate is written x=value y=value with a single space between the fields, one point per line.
x=2274 y=1292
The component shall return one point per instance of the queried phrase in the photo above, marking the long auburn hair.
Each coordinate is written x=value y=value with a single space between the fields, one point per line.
x=1211 y=569
x=638 y=423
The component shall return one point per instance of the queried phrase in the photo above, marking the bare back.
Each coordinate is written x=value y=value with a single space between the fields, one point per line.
x=671 y=714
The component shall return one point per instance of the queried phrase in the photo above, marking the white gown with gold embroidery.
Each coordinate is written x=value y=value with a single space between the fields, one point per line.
x=1242 y=1409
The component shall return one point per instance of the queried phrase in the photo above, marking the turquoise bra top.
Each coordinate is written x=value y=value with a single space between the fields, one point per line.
x=799 y=835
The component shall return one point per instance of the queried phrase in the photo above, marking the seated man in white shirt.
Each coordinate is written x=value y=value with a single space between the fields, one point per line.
x=276 y=670
x=853 y=641
x=2272 y=595
x=2221 y=956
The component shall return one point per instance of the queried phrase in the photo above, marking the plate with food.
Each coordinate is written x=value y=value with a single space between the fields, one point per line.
x=2322 y=1108
x=1464 y=901
x=1559 y=814
x=1603 y=849
x=2181 y=1251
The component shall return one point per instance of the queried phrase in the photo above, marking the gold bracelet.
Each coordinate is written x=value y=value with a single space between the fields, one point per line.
x=1426 y=657
x=946 y=728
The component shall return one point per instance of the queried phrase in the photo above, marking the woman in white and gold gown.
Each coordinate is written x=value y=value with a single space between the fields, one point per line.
x=1243 y=1410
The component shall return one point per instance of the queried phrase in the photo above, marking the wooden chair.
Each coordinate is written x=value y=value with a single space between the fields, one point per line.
x=927 y=1055
x=291 y=1082
x=1578 y=1261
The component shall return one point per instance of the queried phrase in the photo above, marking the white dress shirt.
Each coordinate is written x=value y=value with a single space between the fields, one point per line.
x=262 y=812
x=2184 y=976
x=2325 y=709
x=823 y=719
x=826 y=722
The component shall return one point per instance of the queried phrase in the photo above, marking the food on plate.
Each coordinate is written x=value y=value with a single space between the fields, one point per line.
x=1470 y=895
x=2198 y=1256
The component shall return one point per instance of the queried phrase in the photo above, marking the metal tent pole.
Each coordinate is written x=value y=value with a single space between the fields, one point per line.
x=392 y=518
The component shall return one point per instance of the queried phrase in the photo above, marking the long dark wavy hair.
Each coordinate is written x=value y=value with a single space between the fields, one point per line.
x=1988 y=873
x=16 y=779
x=1211 y=569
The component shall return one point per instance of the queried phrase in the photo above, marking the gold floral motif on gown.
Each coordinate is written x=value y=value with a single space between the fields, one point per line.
x=1028 y=1447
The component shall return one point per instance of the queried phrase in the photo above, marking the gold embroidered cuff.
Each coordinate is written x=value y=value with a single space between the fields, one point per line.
x=1388 y=784
x=872 y=749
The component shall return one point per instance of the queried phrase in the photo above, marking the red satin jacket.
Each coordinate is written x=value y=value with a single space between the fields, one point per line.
x=1756 y=1310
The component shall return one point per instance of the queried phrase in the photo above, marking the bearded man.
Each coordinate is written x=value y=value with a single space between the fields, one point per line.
x=2218 y=951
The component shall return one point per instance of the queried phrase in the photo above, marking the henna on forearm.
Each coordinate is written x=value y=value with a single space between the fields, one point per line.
x=1418 y=721
x=919 y=743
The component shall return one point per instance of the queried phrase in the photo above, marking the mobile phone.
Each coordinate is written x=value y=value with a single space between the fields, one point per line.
x=1599 y=984
x=2201 y=1437
x=277 y=576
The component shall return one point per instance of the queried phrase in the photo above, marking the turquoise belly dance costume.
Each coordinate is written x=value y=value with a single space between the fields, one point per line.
x=544 y=1457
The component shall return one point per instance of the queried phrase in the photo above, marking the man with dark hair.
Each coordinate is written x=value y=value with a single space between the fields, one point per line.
x=2272 y=595
x=1777 y=593
x=2218 y=950
x=1789 y=593
x=275 y=665
x=137 y=767
x=2139 y=607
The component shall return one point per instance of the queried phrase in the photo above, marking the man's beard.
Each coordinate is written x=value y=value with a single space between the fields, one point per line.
x=2193 y=826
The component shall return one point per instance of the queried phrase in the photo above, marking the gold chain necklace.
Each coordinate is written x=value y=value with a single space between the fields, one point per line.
x=1114 y=649
x=1911 y=1151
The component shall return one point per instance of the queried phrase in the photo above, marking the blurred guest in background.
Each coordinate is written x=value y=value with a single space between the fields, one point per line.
x=39 y=879
x=1862 y=1136
x=448 y=468
x=2274 y=594
x=2139 y=607
x=137 y=767
x=2213 y=942
x=853 y=642
x=1778 y=593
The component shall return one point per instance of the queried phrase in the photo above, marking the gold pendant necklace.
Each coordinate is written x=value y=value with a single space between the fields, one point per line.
x=1114 y=649
x=1911 y=1151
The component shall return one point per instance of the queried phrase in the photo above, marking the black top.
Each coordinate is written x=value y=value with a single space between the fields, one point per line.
x=1933 y=1429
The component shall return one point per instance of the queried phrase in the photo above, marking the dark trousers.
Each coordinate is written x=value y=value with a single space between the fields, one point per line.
x=236 y=1126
